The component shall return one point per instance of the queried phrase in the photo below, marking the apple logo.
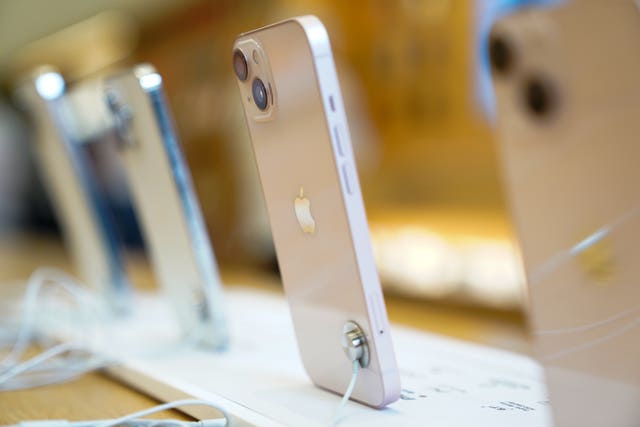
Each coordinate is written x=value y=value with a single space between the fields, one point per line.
x=303 y=213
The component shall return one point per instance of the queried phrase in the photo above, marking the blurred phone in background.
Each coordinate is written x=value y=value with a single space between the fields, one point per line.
x=76 y=117
x=166 y=204
x=88 y=228
x=568 y=95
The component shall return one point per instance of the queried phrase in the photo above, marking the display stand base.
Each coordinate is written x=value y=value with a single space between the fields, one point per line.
x=261 y=382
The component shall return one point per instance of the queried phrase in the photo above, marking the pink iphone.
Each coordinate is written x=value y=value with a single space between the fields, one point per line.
x=293 y=107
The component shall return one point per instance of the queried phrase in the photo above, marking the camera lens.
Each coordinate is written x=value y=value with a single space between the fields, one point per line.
x=500 y=54
x=539 y=96
x=240 y=65
x=259 y=94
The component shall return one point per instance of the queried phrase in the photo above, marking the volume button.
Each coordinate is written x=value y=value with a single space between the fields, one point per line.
x=347 y=178
x=338 y=136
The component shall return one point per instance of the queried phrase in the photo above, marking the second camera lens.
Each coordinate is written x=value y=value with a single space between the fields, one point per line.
x=259 y=94
x=501 y=54
x=539 y=96
x=240 y=65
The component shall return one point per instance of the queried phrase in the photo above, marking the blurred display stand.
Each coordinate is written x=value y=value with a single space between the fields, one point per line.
x=267 y=378
x=445 y=381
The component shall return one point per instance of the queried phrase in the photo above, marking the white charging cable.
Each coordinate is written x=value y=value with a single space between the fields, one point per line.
x=356 y=348
x=49 y=367
x=347 y=394
x=133 y=419
x=29 y=364
x=35 y=286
